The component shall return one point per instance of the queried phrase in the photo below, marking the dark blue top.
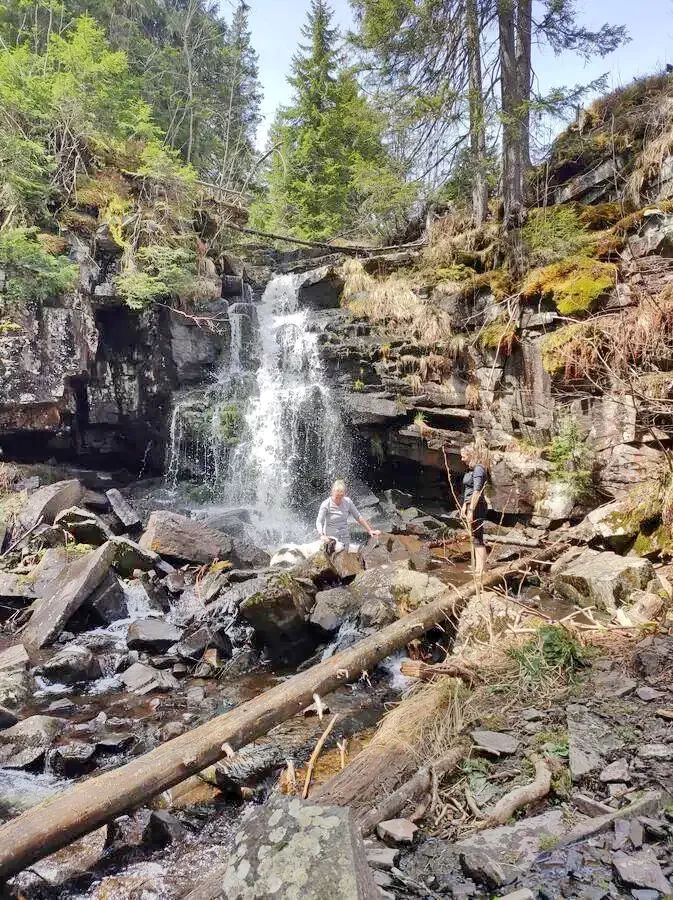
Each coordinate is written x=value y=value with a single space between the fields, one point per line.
x=473 y=483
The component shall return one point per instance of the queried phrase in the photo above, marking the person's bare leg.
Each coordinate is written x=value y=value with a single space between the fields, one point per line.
x=480 y=556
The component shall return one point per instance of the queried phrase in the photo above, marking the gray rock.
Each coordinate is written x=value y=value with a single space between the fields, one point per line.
x=589 y=737
x=653 y=655
x=347 y=565
x=519 y=842
x=605 y=579
x=655 y=751
x=486 y=870
x=645 y=895
x=25 y=743
x=72 y=759
x=647 y=694
x=636 y=833
x=287 y=848
x=194 y=645
x=279 y=612
x=85 y=526
x=130 y=556
x=609 y=526
x=333 y=607
x=123 y=510
x=78 y=581
x=13 y=659
x=108 y=601
x=48 y=501
x=7 y=718
x=185 y=540
x=531 y=714
x=494 y=742
x=397 y=831
x=383 y=858
x=17 y=587
x=153 y=635
x=622 y=830
x=589 y=805
x=163 y=828
x=616 y=771
x=71 y=665
x=523 y=894
x=142 y=679
x=641 y=870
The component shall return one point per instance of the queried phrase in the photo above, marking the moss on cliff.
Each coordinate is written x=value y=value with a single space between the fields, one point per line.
x=500 y=335
x=575 y=284
x=571 y=351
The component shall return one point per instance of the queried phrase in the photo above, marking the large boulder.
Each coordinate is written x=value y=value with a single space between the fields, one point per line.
x=333 y=607
x=289 y=848
x=154 y=635
x=186 y=540
x=48 y=501
x=71 y=665
x=75 y=585
x=279 y=613
x=130 y=556
x=25 y=744
x=603 y=579
x=610 y=525
x=387 y=593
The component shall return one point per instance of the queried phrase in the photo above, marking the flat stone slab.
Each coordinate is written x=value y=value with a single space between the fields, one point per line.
x=75 y=585
x=655 y=751
x=13 y=659
x=519 y=842
x=142 y=679
x=648 y=694
x=289 y=848
x=48 y=501
x=397 y=831
x=494 y=742
x=589 y=737
x=122 y=509
x=641 y=870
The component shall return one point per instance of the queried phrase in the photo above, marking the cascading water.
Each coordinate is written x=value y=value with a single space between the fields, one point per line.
x=266 y=434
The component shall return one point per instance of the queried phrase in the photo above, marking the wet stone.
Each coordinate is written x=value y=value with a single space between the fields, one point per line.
x=152 y=634
x=163 y=828
x=26 y=743
x=73 y=759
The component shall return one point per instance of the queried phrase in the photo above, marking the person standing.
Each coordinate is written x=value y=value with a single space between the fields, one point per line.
x=333 y=517
x=474 y=508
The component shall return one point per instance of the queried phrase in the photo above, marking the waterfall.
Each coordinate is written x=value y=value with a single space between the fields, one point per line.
x=266 y=434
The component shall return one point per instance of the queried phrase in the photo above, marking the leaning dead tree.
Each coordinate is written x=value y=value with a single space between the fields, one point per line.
x=67 y=816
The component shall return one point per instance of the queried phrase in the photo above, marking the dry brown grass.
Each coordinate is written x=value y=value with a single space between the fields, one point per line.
x=393 y=301
x=658 y=145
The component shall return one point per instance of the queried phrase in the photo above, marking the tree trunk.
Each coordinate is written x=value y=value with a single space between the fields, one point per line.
x=524 y=31
x=61 y=819
x=477 y=123
x=512 y=179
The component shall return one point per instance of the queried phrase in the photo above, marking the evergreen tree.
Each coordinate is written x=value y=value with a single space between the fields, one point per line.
x=331 y=172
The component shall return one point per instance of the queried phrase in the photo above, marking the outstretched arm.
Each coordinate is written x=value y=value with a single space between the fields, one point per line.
x=320 y=521
x=360 y=519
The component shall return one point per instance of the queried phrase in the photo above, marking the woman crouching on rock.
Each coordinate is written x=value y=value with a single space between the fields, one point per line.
x=474 y=508
x=333 y=516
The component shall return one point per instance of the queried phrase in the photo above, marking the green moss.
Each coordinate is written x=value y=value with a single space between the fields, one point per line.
x=659 y=541
x=561 y=349
x=500 y=335
x=575 y=284
x=601 y=215
x=229 y=423
x=641 y=505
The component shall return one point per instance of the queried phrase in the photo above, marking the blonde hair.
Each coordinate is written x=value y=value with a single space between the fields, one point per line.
x=339 y=485
x=478 y=453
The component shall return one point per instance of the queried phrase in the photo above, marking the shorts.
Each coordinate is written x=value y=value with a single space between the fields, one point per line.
x=477 y=530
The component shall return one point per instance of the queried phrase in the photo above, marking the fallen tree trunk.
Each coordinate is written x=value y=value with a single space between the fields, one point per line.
x=61 y=819
x=420 y=784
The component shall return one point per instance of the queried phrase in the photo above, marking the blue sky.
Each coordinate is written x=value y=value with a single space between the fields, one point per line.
x=276 y=26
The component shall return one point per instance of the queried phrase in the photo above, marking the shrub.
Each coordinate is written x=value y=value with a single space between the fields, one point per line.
x=575 y=284
x=31 y=272
x=155 y=273
x=552 y=233
x=572 y=460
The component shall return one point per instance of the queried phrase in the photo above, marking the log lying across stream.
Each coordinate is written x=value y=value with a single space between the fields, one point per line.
x=63 y=818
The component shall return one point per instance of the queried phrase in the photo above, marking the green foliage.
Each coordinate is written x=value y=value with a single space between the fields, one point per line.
x=552 y=233
x=572 y=460
x=331 y=171
x=156 y=273
x=575 y=284
x=552 y=650
x=229 y=423
x=31 y=272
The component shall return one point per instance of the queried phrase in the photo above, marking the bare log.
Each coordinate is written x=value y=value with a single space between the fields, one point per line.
x=414 y=668
x=86 y=806
x=505 y=808
x=415 y=787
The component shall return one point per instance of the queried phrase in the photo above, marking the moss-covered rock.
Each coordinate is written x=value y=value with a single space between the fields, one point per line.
x=575 y=285
x=568 y=351
x=499 y=335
